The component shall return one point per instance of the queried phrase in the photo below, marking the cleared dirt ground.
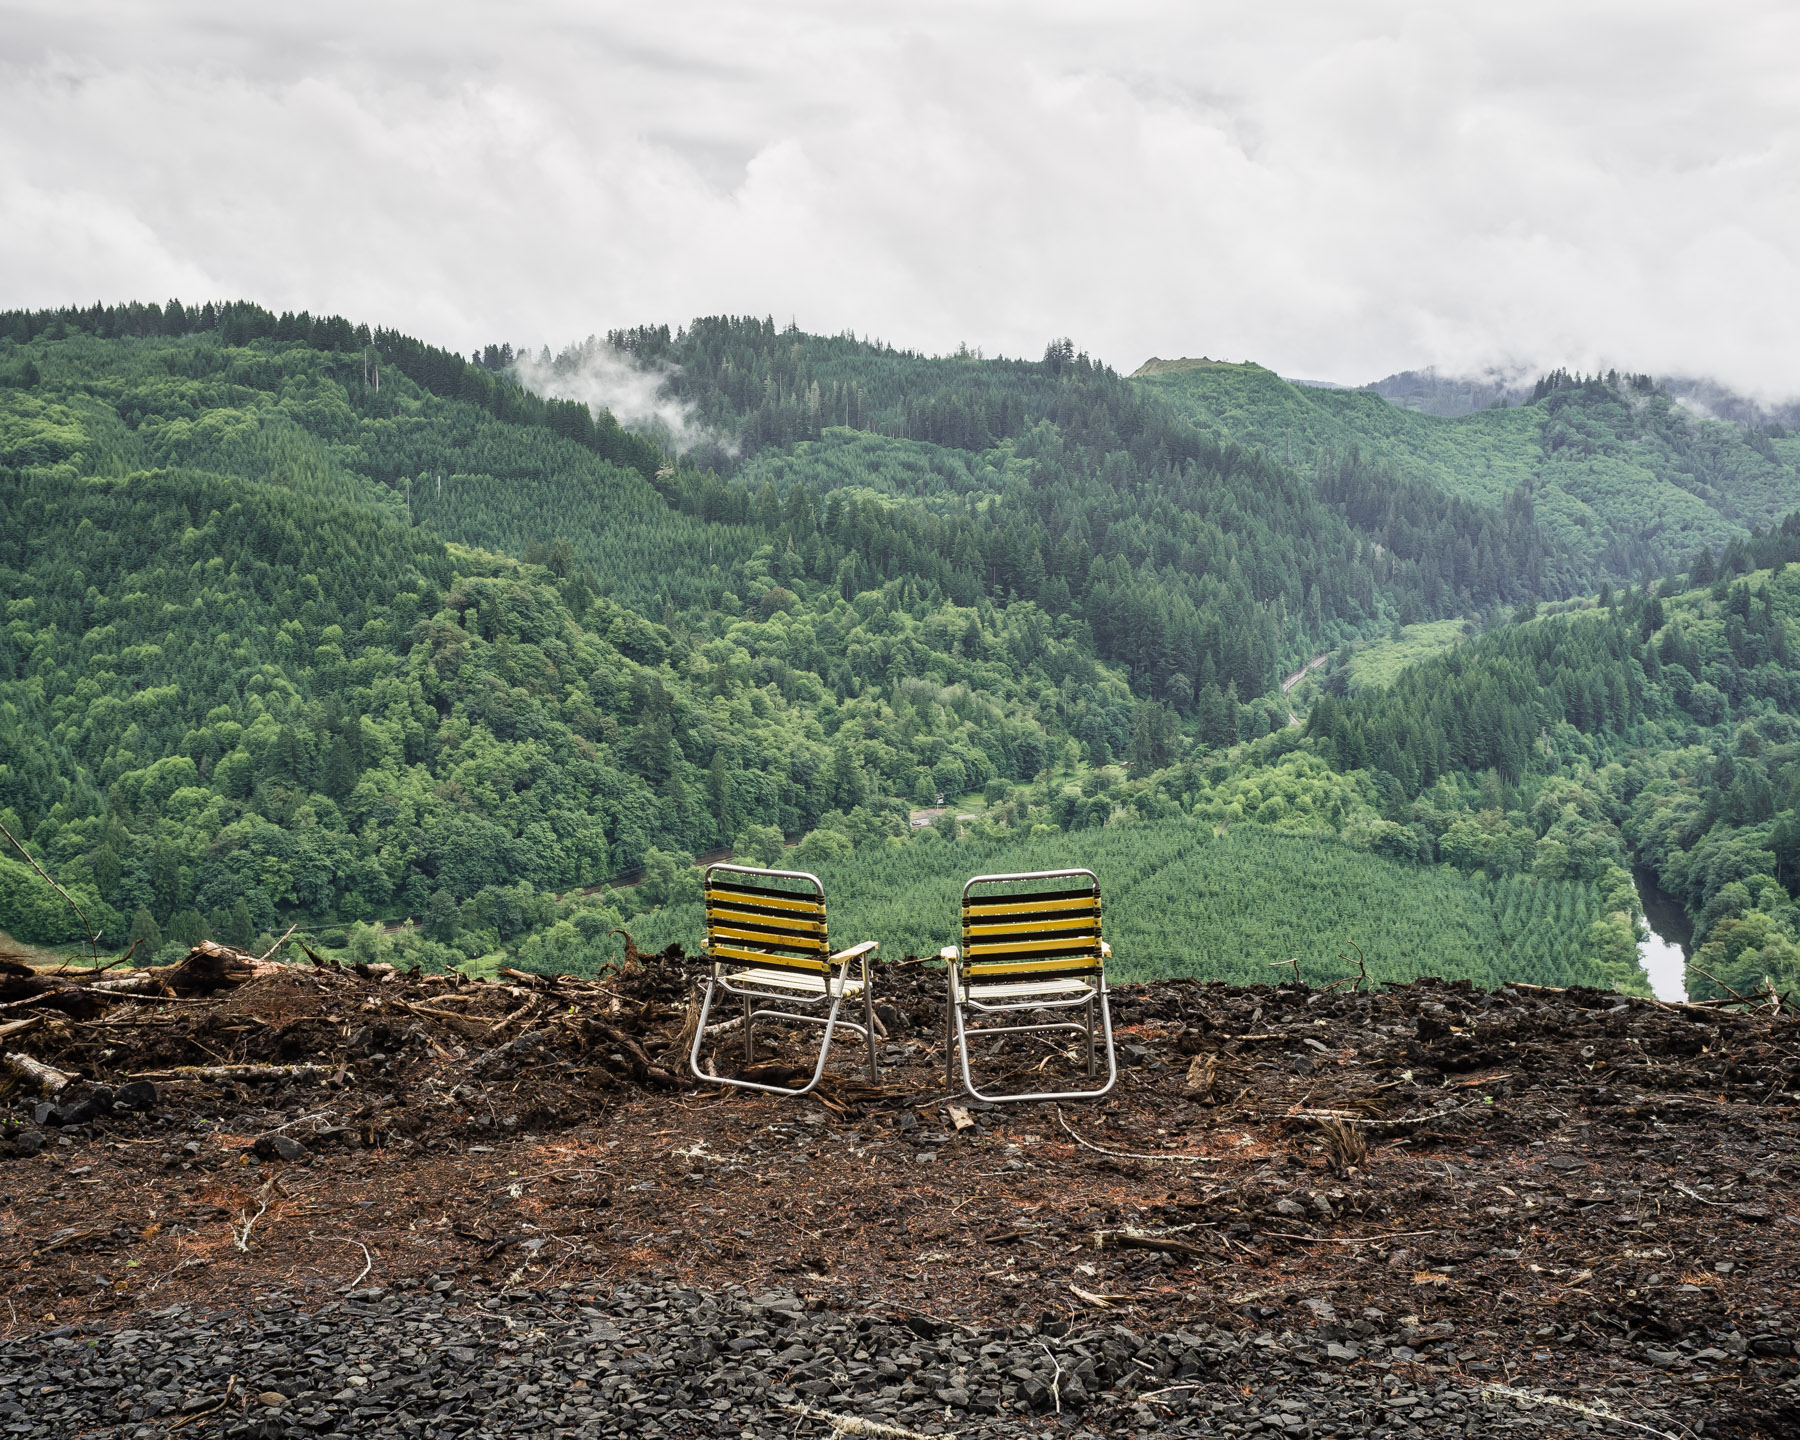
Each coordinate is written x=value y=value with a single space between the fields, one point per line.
x=1565 y=1192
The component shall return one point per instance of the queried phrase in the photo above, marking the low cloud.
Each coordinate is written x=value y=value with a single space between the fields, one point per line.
x=640 y=396
x=1340 y=189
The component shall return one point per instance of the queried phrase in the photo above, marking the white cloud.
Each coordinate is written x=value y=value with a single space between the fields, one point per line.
x=1336 y=189
x=638 y=395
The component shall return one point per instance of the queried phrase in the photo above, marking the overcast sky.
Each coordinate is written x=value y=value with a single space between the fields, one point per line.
x=1336 y=189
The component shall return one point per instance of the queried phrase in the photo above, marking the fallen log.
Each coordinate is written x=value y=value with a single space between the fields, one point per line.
x=47 y=1078
x=211 y=966
x=86 y=1001
x=142 y=980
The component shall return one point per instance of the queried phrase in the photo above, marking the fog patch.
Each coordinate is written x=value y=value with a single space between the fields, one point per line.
x=1710 y=400
x=640 y=396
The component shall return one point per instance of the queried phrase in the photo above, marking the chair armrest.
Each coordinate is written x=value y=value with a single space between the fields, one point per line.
x=1105 y=951
x=855 y=952
x=949 y=952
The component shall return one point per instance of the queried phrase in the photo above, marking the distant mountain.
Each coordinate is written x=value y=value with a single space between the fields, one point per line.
x=1431 y=392
x=1715 y=402
x=1450 y=396
x=1622 y=474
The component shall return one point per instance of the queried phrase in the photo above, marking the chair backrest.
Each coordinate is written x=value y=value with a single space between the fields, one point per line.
x=1024 y=927
x=773 y=919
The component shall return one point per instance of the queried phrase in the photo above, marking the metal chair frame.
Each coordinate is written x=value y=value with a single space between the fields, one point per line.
x=959 y=999
x=834 y=983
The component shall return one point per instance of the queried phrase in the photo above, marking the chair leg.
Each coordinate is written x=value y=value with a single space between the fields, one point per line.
x=830 y=1022
x=962 y=1046
x=700 y=1032
x=749 y=1035
x=1090 y=1038
x=950 y=1037
x=869 y=1024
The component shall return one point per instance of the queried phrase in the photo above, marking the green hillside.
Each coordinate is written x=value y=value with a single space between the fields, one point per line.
x=1181 y=901
x=242 y=681
x=1199 y=567
x=1658 y=730
x=311 y=622
x=1621 y=478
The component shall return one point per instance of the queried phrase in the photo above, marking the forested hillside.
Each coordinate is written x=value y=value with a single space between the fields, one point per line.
x=1182 y=899
x=238 y=682
x=307 y=621
x=1199 y=567
x=1622 y=480
x=1658 y=727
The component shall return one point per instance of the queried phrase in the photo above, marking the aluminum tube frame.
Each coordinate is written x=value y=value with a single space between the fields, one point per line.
x=1028 y=875
x=835 y=991
x=818 y=884
x=957 y=1047
x=964 y=1034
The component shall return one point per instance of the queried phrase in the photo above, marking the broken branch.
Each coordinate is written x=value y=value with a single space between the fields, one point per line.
x=240 y=1072
x=46 y=1077
x=853 y=1425
x=93 y=935
x=1129 y=1238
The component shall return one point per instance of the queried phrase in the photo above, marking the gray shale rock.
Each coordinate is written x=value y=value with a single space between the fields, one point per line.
x=280 y=1147
x=653 y=1361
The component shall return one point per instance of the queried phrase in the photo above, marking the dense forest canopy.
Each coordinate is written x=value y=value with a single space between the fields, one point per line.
x=310 y=620
x=1624 y=480
x=1200 y=565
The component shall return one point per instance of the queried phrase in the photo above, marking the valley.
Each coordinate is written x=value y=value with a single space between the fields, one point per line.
x=370 y=711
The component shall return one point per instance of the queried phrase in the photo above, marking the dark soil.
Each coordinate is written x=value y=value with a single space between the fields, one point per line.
x=1391 y=1214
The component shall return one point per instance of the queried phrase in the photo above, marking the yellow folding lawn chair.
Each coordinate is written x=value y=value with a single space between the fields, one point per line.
x=765 y=936
x=1029 y=944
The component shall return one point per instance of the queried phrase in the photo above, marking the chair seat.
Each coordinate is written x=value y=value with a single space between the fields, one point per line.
x=797 y=981
x=1025 y=989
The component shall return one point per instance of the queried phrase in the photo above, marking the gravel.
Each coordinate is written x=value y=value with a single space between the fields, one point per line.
x=651 y=1360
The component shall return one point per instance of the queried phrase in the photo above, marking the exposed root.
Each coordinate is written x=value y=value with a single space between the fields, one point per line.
x=1528 y=1398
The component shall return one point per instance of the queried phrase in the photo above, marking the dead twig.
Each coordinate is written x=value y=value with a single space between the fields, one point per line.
x=368 y=1264
x=241 y=1238
x=1130 y=1155
x=1356 y=981
x=279 y=943
x=1129 y=1238
x=1541 y=1397
x=1720 y=983
x=224 y=1400
x=1345 y=1240
x=240 y=1072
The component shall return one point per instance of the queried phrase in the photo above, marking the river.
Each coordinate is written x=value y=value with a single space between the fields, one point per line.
x=1663 y=953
